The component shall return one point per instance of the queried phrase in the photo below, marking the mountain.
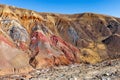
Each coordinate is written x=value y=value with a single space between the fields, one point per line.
x=30 y=40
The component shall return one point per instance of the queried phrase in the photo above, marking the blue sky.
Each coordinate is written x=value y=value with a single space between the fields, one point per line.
x=108 y=7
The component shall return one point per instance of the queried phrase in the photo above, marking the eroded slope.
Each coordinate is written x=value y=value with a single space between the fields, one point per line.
x=31 y=40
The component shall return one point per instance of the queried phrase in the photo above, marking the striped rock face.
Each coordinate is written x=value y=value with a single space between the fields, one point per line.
x=31 y=40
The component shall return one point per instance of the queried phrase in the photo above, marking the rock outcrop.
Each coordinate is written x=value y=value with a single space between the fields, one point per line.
x=31 y=40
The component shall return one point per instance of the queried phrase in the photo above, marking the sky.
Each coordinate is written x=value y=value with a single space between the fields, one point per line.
x=107 y=7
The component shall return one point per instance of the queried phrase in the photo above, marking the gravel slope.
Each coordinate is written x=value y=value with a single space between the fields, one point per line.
x=107 y=70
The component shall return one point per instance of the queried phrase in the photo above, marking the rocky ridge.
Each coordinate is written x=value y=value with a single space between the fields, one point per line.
x=31 y=40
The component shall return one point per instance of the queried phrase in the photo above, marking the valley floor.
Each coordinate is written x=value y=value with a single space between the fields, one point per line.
x=107 y=70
